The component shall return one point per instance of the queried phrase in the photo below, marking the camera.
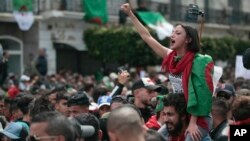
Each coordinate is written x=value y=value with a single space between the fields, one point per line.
x=193 y=12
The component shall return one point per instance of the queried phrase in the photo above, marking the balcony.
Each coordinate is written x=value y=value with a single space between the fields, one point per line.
x=40 y=6
x=172 y=12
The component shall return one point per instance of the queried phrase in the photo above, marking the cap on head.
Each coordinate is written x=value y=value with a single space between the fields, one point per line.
x=15 y=130
x=104 y=100
x=227 y=88
x=146 y=83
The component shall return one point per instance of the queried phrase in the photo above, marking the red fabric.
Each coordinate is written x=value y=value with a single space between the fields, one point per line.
x=13 y=92
x=152 y=123
x=183 y=66
x=209 y=79
x=242 y=122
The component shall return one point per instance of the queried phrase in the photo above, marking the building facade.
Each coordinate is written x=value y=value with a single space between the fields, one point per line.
x=59 y=27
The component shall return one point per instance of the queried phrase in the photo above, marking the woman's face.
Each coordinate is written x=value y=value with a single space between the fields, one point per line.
x=178 y=38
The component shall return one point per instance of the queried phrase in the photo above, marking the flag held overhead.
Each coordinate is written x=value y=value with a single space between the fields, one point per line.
x=157 y=22
x=95 y=11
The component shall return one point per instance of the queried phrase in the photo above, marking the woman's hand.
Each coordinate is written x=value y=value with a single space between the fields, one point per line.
x=126 y=8
x=193 y=129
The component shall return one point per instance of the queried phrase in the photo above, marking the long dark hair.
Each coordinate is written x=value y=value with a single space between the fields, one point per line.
x=192 y=33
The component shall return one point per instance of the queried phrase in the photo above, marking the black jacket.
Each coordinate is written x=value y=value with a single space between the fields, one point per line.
x=220 y=133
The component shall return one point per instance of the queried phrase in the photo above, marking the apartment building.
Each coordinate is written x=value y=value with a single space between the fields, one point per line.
x=59 y=27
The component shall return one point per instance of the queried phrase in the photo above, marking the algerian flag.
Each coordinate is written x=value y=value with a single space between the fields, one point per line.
x=95 y=11
x=23 y=13
x=157 y=22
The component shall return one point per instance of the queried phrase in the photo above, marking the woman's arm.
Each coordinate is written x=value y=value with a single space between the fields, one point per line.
x=144 y=33
x=193 y=129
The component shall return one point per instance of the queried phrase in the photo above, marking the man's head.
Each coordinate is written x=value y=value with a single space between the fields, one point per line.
x=89 y=119
x=226 y=91
x=51 y=126
x=78 y=103
x=62 y=103
x=40 y=105
x=219 y=111
x=104 y=104
x=175 y=113
x=118 y=101
x=42 y=52
x=144 y=90
x=241 y=108
x=125 y=123
x=23 y=102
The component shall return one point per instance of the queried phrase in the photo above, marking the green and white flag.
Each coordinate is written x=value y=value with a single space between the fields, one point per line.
x=157 y=22
x=23 y=13
x=95 y=11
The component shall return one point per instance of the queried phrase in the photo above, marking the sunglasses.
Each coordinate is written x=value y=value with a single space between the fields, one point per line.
x=36 y=138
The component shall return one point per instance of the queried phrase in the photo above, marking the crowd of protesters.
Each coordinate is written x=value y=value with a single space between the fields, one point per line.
x=122 y=106
x=127 y=105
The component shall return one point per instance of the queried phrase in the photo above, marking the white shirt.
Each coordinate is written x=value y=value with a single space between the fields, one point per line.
x=176 y=82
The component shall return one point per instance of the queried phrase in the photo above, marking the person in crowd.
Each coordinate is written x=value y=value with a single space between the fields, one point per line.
x=156 y=121
x=61 y=104
x=52 y=95
x=125 y=124
x=24 y=84
x=23 y=104
x=4 y=67
x=40 y=105
x=2 y=97
x=16 y=131
x=143 y=91
x=6 y=110
x=123 y=77
x=104 y=104
x=240 y=110
x=175 y=117
x=189 y=72
x=118 y=101
x=51 y=126
x=78 y=103
x=153 y=135
x=219 y=112
x=99 y=90
x=42 y=63
x=227 y=92
x=88 y=119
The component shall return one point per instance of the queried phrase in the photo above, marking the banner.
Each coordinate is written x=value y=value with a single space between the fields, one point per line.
x=157 y=22
x=95 y=11
x=240 y=71
x=23 y=13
